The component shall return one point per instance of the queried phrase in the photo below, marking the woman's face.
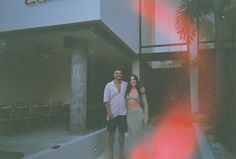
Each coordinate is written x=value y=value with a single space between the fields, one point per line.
x=133 y=82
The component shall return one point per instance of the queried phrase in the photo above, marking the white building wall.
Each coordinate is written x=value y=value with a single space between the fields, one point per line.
x=162 y=27
x=165 y=22
x=165 y=32
x=122 y=17
x=148 y=22
x=16 y=15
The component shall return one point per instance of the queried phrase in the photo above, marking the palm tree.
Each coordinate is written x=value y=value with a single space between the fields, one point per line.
x=188 y=18
x=189 y=15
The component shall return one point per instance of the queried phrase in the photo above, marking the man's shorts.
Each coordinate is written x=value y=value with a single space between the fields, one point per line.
x=120 y=122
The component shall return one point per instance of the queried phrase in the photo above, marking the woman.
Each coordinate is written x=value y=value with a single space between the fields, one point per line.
x=137 y=106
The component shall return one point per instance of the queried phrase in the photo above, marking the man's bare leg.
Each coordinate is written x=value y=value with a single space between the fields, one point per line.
x=111 y=143
x=121 y=144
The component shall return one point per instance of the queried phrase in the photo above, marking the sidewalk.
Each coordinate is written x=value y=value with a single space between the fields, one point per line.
x=164 y=139
x=211 y=146
x=30 y=142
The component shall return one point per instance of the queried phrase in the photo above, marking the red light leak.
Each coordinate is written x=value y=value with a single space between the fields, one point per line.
x=147 y=9
x=173 y=138
x=163 y=9
x=160 y=16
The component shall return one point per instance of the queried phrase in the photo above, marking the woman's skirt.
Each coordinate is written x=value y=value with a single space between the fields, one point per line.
x=135 y=119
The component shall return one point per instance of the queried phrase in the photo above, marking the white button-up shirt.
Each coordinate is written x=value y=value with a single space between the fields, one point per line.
x=115 y=98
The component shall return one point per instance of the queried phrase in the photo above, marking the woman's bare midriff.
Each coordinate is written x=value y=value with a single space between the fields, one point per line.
x=131 y=104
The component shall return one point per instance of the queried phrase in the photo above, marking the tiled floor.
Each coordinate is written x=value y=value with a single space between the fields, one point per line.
x=168 y=137
x=171 y=137
x=162 y=141
x=34 y=141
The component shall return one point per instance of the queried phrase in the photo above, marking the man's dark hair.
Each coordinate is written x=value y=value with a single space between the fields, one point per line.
x=117 y=69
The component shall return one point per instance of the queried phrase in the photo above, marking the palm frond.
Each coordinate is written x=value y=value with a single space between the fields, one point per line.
x=188 y=16
x=184 y=23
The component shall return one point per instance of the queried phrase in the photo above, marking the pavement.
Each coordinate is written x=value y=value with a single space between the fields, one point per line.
x=29 y=142
x=172 y=135
x=162 y=140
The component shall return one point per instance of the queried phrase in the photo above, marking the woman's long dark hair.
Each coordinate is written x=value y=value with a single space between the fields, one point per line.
x=138 y=85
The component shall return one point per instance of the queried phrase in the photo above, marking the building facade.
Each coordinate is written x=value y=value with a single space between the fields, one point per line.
x=66 y=50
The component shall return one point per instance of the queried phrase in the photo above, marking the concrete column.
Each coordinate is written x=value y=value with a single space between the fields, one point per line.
x=136 y=67
x=78 y=111
x=193 y=49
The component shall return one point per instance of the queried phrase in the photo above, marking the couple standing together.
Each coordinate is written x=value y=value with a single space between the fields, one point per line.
x=127 y=108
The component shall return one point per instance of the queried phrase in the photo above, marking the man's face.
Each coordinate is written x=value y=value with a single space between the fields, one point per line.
x=118 y=75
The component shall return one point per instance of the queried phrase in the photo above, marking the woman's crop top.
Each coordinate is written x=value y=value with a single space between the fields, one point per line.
x=132 y=97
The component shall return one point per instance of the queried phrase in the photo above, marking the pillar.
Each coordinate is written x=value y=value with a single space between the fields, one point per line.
x=136 y=67
x=78 y=110
x=194 y=84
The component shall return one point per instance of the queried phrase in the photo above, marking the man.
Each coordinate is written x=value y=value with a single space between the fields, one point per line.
x=115 y=104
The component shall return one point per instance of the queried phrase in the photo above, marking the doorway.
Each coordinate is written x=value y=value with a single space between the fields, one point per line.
x=167 y=83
